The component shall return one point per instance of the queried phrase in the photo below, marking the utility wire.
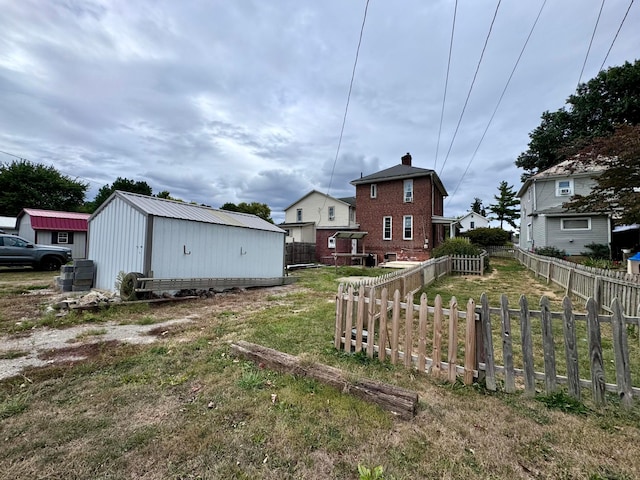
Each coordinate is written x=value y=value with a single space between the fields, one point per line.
x=616 y=35
x=346 y=108
x=499 y=101
x=471 y=87
x=446 y=83
x=593 y=34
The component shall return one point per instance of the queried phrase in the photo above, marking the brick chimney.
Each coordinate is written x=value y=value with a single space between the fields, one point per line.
x=406 y=159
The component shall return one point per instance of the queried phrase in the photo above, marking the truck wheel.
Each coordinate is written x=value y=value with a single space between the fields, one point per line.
x=50 y=264
x=128 y=286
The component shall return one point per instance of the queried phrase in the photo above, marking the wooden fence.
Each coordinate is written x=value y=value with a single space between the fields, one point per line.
x=299 y=253
x=538 y=346
x=585 y=282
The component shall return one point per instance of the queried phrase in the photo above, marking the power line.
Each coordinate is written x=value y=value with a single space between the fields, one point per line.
x=616 y=35
x=499 y=101
x=593 y=34
x=446 y=83
x=346 y=108
x=471 y=87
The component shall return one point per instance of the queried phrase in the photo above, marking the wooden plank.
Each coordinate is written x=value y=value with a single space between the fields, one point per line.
x=621 y=354
x=452 y=355
x=371 y=322
x=437 y=336
x=490 y=368
x=360 y=319
x=337 y=342
x=571 y=348
x=422 y=336
x=470 y=343
x=395 y=327
x=548 y=347
x=527 y=348
x=507 y=345
x=384 y=312
x=598 y=387
x=348 y=321
x=408 y=332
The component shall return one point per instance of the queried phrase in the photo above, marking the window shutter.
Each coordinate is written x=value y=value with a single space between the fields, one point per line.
x=54 y=238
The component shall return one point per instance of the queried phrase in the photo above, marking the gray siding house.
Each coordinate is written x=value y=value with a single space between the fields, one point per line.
x=167 y=239
x=545 y=222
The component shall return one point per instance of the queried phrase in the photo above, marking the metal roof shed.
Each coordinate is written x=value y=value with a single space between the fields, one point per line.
x=169 y=239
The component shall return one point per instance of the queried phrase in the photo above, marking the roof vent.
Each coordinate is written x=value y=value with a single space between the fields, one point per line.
x=406 y=159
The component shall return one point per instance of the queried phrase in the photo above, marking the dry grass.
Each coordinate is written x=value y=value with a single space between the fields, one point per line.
x=182 y=408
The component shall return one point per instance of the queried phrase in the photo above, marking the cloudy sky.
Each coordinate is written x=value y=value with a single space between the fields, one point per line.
x=232 y=101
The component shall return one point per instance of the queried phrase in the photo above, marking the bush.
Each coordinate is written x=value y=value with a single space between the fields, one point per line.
x=550 y=252
x=598 y=251
x=456 y=246
x=488 y=236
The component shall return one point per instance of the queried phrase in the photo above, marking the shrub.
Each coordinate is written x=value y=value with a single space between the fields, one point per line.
x=598 y=251
x=550 y=252
x=603 y=263
x=456 y=246
x=488 y=236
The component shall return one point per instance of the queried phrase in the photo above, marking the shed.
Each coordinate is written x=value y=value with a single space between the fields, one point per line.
x=170 y=239
x=51 y=227
x=8 y=225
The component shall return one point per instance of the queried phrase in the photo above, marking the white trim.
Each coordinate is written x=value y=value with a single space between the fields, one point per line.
x=404 y=227
x=562 y=220
x=564 y=187
x=373 y=192
x=384 y=221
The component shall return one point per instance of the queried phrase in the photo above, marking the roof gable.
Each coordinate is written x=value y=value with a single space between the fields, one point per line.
x=328 y=197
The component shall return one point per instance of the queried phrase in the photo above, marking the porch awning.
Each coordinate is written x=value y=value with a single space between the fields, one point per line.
x=356 y=235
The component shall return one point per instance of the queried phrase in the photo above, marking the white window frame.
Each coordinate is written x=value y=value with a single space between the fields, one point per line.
x=564 y=188
x=472 y=225
x=63 y=238
x=384 y=228
x=299 y=215
x=331 y=212
x=529 y=232
x=407 y=191
x=573 y=219
x=409 y=227
x=331 y=242
x=374 y=190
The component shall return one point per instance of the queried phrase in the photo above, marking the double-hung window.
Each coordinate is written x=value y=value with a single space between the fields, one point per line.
x=386 y=228
x=408 y=191
x=374 y=190
x=299 y=215
x=332 y=213
x=407 y=232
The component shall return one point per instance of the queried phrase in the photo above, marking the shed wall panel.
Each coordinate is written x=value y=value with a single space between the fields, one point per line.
x=117 y=242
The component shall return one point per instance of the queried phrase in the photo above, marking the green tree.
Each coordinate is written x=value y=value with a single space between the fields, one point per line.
x=24 y=184
x=505 y=209
x=167 y=196
x=477 y=207
x=618 y=186
x=123 y=184
x=261 y=210
x=611 y=98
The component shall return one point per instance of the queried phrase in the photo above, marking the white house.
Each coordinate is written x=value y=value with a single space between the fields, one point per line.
x=168 y=239
x=546 y=222
x=50 y=227
x=471 y=221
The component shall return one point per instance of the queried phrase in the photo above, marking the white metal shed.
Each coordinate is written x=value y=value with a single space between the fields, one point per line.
x=169 y=239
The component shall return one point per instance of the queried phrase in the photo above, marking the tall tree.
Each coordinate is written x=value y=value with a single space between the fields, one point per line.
x=611 y=98
x=123 y=184
x=477 y=207
x=618 y=186
x=24 y=184
x=505 y=209
x=261 y=210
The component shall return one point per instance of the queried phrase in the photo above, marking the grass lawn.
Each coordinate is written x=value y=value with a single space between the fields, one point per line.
x=183 y=408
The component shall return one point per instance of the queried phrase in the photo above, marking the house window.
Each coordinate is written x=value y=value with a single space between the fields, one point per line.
x=564 y=188
x=63 y=237
x=472 y=225
x=529 y=232
x=408 y=191
x=386 y=228
x=332 y=213
x=575 y=224
x=352 y=215
x=374 y=190
x=407 y=233
x=299 y=215
x=331 y=242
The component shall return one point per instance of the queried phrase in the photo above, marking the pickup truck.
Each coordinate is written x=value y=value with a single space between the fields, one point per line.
x=16 y=251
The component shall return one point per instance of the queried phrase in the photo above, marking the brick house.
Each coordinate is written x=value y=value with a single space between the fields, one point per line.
x=401 y=208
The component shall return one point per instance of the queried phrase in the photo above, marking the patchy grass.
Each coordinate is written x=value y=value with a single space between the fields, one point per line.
x=184 y=408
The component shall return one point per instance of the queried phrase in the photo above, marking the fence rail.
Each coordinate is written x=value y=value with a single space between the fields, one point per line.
x=584 y=282
x=538 y=346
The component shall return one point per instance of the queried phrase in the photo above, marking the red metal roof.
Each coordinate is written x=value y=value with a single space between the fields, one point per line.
x=52 y=220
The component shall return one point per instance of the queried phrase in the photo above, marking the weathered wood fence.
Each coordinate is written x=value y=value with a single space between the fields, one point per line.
x=534 y=347
x=299 y=252
x=586 y=282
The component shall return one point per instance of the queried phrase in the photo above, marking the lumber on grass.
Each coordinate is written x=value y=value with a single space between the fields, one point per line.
x=400 y=401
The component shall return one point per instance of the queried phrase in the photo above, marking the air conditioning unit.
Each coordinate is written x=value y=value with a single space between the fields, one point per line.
x=565 y=191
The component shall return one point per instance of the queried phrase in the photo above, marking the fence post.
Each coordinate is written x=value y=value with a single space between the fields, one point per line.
x=337 y=341
x=595 y=353
x=621 y=350
x=527 y=347
x=408 y=332
x=490 y=368
x=371 y=322
x=360 y=318
x=548 y=347
x=422 y=336
x=470 y=343
x=349 y=321
x=571 y=348
x=597 y=290
x=507 y=347
x=452 y=355
x=437 y=335
x=395 y=327
x=384 y=307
